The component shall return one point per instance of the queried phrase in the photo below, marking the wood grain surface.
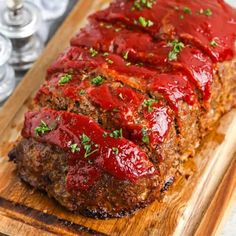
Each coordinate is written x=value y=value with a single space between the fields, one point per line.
x=195 y=204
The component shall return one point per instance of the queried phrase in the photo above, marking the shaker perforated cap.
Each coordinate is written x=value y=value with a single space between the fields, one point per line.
x=5 y=49
x=21 y=25
x=14 y=4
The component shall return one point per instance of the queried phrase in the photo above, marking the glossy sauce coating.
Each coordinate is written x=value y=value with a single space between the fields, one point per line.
x=116 y=156
x=135 y=48
x=123 y=104
x=144 y=77
x=139 y=47
x=199 y=22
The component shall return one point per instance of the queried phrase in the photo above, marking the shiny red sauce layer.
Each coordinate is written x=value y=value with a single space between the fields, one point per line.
x=160 y=53
x=90 y=149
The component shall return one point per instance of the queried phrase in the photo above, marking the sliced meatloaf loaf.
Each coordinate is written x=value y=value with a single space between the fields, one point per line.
x=127 y=102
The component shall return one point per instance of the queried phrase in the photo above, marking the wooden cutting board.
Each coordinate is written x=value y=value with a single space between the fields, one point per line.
x=194 y=205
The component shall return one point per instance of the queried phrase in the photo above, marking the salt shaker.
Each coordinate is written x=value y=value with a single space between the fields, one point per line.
x=7 y=75
x=20 y=21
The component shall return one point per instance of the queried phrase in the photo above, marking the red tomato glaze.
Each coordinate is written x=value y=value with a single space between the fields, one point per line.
x=139 y=47
x=199 y=22
x=118 y=70
x=116 y=156
x=174 y=87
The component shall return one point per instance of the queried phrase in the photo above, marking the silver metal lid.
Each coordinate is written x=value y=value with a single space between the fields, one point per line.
x=17 y=21
x=14 y=5
x=5 y=49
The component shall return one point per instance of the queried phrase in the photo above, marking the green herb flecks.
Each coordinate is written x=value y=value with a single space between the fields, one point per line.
x=145 y=138
x=115 y=110
x=116 y=134
x=148 y=103
x=42 y=128
x=93 y=52
x=108 y=60
x=140 y=4
x=117 y=30
x=126 y=55
x=144 y=22
x=187 y=10
x=206 y=12
x=105 y=54
x=115 y=150
x=97 y=80
x=213 y=43
x=74 y=147
x=87 y=144
x=177 y=47
x=81 y=92
x=65 y=79
x=121 y=96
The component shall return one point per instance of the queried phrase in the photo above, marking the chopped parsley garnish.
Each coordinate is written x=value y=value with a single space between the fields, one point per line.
x=121 y=96
x=74 y=147
x=116 y=134
x=139 y=4
x=87 y=144
x=144 y=22
x=105 y=54
x=85 y=138
x=105 y=134
x=115 y=110
x=117 y=30
x=81 y=92
x=109 y=61
x=42 y=128
x=148 y=103
x=115 y=150
x=187 y=10
x=126 y=55
x=108 y=26
x=93 y=52
x=213 y=43
x=145 y=138
x=206 y=12
x=97 y=80
x=65 y=79
x=177 y=47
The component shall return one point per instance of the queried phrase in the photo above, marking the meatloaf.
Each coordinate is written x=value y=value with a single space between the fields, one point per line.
x=131 y=99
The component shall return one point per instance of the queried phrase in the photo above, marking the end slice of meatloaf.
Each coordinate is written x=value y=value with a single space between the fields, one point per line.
x=69 y=156
x=127 y=102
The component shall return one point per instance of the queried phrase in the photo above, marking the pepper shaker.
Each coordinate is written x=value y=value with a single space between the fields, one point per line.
x=20 y=21
x=7 y=75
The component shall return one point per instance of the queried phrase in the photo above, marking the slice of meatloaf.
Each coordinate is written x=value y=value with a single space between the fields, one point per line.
x=89 y=180
x=131 y=99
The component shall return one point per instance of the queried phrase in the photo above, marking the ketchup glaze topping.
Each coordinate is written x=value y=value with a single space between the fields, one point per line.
x=91 y=150
x=140 y=77
x=166 y=48
x=125 y=104
x=139 y=47
x=209 y=24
